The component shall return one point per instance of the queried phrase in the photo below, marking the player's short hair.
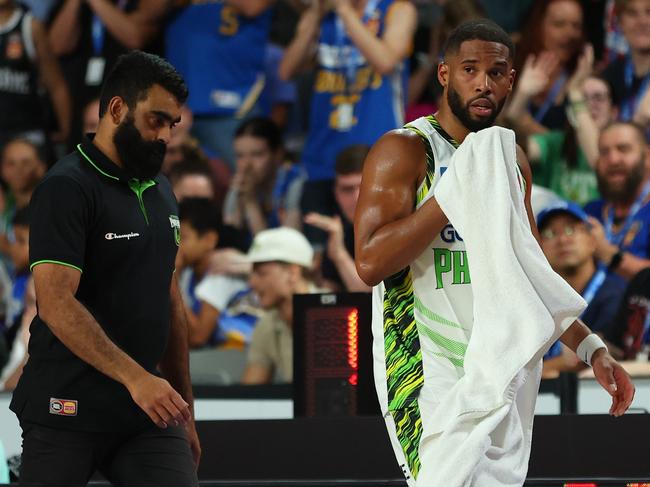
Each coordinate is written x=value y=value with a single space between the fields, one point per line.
x=134 y=73
x=481 y=30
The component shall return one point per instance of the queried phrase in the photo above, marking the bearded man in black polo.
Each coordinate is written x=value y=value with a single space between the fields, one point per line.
x=106 y=386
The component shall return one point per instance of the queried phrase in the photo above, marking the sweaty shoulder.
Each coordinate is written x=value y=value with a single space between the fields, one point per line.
x=400 y=152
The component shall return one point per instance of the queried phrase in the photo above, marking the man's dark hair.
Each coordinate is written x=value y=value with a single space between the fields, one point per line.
x=480 y=30
x=350 y=160
x=639 y=129
x=261 y=128
x=190 y=166
x=134 y=73
x=21 y=217
x=201 y=213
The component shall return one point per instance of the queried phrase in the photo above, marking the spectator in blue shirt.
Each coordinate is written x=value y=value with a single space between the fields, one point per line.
x=570 y=247
x=621 y=218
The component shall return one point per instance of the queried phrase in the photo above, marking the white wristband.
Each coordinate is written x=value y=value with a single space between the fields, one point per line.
x=588 y=346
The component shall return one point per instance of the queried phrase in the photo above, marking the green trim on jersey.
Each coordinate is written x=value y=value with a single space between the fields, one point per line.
x=423 y=190
x=434 y=316
x=408 y=426
x=404 y=369
x=401 y=342
x=404 y=372
x=436 y=125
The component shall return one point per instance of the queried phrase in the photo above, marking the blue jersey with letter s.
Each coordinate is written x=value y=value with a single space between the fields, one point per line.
x=351 y=102
x=220 y=53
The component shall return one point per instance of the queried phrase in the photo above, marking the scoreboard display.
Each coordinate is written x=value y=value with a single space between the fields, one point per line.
x=332 y=355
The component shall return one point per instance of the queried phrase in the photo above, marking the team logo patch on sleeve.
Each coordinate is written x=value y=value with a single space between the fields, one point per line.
x=63 y=407
x=176 y=226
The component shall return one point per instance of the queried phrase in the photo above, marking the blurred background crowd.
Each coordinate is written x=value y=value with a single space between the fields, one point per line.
x=286 y=99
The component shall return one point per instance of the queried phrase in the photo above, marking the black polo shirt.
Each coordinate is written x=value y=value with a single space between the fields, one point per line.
x=122 y=235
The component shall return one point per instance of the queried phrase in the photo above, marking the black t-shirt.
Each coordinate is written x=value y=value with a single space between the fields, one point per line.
x=123 y=236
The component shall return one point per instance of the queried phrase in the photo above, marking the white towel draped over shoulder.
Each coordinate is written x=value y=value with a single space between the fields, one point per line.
x=520 y=307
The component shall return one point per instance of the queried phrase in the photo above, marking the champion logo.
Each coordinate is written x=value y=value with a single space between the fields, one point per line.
x=115 y=236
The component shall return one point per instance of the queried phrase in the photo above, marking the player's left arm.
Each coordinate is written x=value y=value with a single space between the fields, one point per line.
x=175 y=362
x=608 y=372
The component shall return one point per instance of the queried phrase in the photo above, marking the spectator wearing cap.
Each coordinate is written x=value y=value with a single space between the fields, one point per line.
x=570 y=248
x=282 y=259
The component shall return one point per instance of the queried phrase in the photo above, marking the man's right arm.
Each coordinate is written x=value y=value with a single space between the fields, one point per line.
x=389 y=232
x=76 y=328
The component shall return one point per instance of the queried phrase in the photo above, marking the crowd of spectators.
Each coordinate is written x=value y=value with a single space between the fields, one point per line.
x=286 y=98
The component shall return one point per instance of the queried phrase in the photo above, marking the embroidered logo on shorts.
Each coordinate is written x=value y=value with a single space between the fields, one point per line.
x=176 y=226
x=63 y=407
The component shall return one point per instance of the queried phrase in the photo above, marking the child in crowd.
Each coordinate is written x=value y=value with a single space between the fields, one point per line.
x=220 y=308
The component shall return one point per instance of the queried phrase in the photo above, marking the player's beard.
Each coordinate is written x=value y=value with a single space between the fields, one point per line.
x=628 y=190
x=142 y=159
x=462 y=113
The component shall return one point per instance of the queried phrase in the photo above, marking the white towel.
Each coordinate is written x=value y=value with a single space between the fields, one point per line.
x=480 y=432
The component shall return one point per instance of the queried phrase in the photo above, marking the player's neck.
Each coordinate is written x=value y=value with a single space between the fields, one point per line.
x=579 y=277
x=451 y=124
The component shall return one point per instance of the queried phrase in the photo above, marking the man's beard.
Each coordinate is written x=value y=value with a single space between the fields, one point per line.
x=627 y=191
x=462 y=111
x=142 y=159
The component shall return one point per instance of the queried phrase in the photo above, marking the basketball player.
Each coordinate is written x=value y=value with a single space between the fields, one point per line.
x=399 y=226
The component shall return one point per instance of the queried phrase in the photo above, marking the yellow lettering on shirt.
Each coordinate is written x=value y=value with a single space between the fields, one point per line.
x=229 y=21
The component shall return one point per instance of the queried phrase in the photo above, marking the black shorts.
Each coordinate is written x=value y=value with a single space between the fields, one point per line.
x=155 y=457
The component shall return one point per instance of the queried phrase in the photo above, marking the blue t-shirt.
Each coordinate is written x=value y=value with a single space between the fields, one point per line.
x=220 y=53
x=636 y=240
x=351 y=103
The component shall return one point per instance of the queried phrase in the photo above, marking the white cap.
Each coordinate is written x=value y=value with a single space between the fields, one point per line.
x=281 y=244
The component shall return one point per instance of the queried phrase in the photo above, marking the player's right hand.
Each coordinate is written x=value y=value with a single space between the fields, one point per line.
x=159 y=400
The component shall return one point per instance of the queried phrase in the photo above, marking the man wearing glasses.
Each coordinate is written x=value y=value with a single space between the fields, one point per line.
x=570 y=247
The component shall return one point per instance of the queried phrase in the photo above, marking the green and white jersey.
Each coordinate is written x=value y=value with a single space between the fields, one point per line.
x=422 y=315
